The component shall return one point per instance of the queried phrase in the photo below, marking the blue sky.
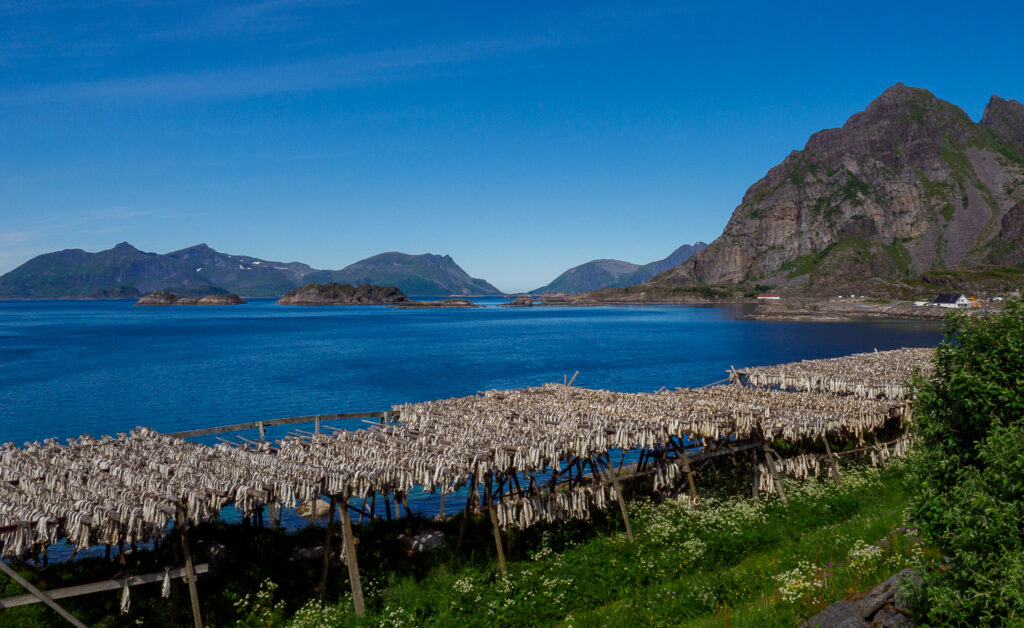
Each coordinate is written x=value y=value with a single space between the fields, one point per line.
x=521 y=138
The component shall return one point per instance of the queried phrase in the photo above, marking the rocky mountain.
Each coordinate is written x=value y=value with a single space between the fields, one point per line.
x=343 y=294
x=424 y=275
x=125 y=271
x=909 y=185
x=613 y=273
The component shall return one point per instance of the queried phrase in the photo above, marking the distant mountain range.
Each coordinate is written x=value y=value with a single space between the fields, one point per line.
x=910 y=185
x=613 y=273
x=125 y=271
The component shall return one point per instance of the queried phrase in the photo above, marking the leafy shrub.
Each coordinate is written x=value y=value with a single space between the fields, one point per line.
x=969 y=470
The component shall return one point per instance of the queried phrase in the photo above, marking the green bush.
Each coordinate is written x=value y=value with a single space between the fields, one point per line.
x=969 y=470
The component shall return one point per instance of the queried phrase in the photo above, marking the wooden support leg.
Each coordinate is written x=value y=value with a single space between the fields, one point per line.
x=353 y=564
x=45 y=599
x=768 y=457
x=387 y=507
x=441 y=511
x=466 y=511
x=614 y=477
x=833 y=462
x=494 y=525
x=405 y=505
x=327 y=552
x=689 y=474
x=755 y=485
x=190 y=577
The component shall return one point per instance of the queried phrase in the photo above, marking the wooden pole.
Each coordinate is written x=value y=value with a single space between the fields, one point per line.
x=327 y=552
x=351 y=562
x=494 y=525
x=405 y=504
x=45 y=599
x=833 y=462
x=190 y=577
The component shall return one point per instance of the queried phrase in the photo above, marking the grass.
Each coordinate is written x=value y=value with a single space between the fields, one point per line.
x=732 y=562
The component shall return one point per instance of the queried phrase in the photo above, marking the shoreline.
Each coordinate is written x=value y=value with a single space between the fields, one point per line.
x=833 y=310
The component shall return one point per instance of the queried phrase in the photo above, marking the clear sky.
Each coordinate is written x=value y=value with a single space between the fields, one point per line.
x=521 y=138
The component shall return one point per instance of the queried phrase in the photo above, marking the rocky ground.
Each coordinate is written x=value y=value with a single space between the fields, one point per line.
x=877 y=608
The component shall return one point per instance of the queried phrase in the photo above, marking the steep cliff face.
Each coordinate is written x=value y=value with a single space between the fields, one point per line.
x=908 y=185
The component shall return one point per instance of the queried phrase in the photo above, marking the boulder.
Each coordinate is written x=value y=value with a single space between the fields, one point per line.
x=424 y=541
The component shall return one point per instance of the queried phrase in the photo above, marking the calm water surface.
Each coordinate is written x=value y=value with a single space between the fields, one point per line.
x=101 y=367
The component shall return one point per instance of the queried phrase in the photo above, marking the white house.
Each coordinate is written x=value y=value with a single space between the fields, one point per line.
x=951 y=300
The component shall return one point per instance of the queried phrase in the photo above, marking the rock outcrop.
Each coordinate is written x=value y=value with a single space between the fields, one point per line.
x=908 y=185
x=876 y=608
x=166 y=297
x=450 y=303
x=519 y=302
x=343 y=294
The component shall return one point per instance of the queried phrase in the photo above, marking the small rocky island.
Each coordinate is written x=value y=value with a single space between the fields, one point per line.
x=166 y=297
x=522 y=301
x=343 y=294
x=450 y=303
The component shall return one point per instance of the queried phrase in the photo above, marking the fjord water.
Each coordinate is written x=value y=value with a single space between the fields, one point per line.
x=102 y=367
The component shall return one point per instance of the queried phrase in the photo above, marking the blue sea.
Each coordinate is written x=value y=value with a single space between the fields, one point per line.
x=101 y=367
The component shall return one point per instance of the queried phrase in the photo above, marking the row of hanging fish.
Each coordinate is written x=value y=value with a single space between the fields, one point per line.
x=871 y=375
x=803 y=466
x=570 y=503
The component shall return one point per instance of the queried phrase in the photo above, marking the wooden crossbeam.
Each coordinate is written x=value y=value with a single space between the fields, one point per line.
x=99 y=586
x=40 y=596
x=253 y=425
